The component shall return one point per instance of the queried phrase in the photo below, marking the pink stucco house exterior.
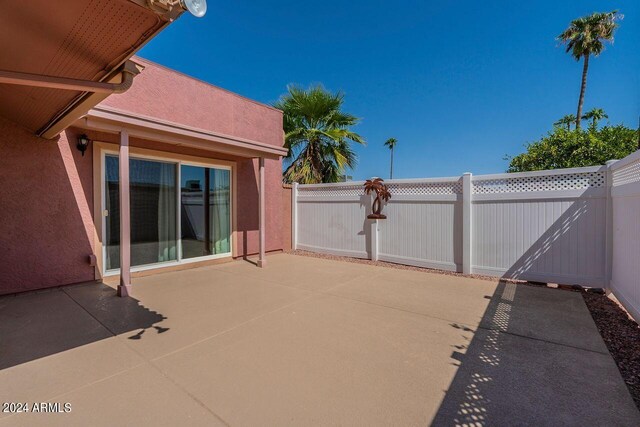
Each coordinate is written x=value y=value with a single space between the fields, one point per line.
x=52 y=197
x=113 y=166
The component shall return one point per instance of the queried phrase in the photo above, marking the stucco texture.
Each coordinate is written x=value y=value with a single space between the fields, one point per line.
x=166 y=94
x=46 y=186
x=46 y=226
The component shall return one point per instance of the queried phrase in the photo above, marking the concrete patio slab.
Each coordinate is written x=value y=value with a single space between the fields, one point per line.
x=507 y=380
x=450 y=298
x=323 y=361
x=202 y=307
x=45 y=378
x=535 y=312
x=310 y=274
x=141 y=396
x=118 y=316
x=308 y=341
x=26 y=319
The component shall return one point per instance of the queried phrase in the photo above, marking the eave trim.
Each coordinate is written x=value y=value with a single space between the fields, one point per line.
x=112 y=120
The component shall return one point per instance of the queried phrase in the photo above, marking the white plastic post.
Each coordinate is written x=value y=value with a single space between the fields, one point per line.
x=294 y=216
x=374 y=239
x=609 y=230
x=466 y=222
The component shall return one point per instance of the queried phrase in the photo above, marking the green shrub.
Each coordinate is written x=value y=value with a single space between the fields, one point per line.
x=563 y=148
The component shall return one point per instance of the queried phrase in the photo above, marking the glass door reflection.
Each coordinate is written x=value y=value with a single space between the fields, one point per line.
x=205 y=211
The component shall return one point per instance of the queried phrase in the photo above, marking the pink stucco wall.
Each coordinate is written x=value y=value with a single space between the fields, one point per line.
x=169 y=95
x=45 y=191
x=46 y=186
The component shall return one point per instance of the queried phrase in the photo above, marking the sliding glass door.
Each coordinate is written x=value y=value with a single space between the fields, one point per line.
x=167 y=226
x=205 y=211
x=153 y=212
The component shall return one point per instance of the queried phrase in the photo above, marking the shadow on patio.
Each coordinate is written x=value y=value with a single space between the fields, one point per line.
x=535 y=359
x=38 y=324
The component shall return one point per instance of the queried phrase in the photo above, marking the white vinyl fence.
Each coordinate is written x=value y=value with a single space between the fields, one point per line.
x=545 y=226
x=541 y=226
x=568 y=226
x=334 y=219
x=625 y=192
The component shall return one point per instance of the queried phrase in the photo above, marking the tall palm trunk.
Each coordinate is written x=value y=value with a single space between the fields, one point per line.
x=583 y=88
x=391 y=174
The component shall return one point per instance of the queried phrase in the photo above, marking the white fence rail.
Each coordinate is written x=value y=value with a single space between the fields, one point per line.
x=569 y=226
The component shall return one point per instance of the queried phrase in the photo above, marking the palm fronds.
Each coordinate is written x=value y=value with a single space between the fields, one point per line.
x=317 y=134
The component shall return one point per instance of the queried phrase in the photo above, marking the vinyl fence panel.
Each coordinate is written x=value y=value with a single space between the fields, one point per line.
x=625 y=193
x=569 y=226
x=331 y=218
x=421 y=229
x=547 y=227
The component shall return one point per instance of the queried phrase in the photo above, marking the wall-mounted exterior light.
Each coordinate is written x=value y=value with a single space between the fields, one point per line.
x=197 y=8
x=83 y=143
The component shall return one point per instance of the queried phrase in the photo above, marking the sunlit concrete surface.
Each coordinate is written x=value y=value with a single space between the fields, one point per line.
x=307 y=341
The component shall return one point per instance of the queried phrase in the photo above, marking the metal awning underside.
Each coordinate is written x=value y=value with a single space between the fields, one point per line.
x=77 y=39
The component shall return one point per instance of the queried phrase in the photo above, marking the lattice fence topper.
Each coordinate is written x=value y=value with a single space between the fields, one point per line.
x=332 y=190
x=425 y=188
x=627 y=174
x=572 y=181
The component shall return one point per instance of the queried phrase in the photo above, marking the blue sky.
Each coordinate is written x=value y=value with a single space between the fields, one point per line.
x=458 y=83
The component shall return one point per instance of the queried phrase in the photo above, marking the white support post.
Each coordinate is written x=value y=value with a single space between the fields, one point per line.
x=262 y=260
x=466 y=222
x=374 y=239
x=609 y=230
x=294 y=216
x=124 y=288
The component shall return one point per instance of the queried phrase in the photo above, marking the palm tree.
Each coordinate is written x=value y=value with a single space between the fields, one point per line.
x=317 y=134
x=567 y=121
x=595 y=115
x=585 y=37
x=391 y=144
